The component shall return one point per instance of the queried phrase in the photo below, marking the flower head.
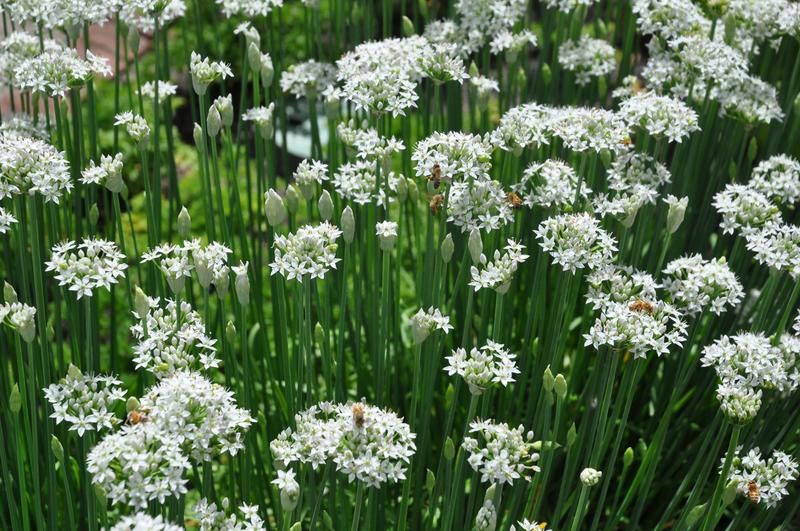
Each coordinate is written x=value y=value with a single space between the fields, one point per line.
x=484 y=367
x=309 y=252
x=762 y=480
x=85 y=401
x=499 y=453
x=575 y=241
x=31 y=166
x=498 y=274
x=587 y=58
x=697 y=284
x=88 y=265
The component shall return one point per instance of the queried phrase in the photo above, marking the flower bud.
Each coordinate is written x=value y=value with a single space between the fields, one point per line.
x=548 y=381
x=546 y=73
x=430 y=481
x=9 y=293
x=184 y=223
x=402 y=189
x=641 y=447
x=267 y=70
x=15 y=400
x=408 y=27
x=296 y=527
x=676 y=213
x=602 y=87
x=572 y=435
x=630 y=215
x=387 y=234
x=100 y=494
x=627 y=457
x=695 y=514
x=197 y=134
x=348 y=223
x=94 y=215
x=242 y=284
x=590 y=477
x=319 y=334
x=560 y=386
x=230 y=332
x=475 y=246
x=214 y=121
x=325 y=205
x=447 y=249
x=473 y=69
x=224 y=105
x=56 y=448
x=752 y=149
x=74 y=372
x=254 y=58
x=729 y=494
x=140 y=303
x=292 y=199
x=449 y=451
x=522 y=77
x=132 y=404
x=276 y=210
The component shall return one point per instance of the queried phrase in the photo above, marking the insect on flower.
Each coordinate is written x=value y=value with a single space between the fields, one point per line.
x=514 y=200
x=436 y=176
x=358 y=414
x=435 y=203
x=752 y=492
x=641 y=305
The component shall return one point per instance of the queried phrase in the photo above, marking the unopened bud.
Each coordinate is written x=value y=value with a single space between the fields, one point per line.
x=627 y=457
x=590 y=477
x=74 y=372
x=133 y=39
x=214 y=121
x=276 y=210
x=560 y=386
x=254 y=58
x=548 y=381
x=546 y=73
x=348 y=223
x=695 y=514
x=402 y=189
x=56 y=448
x=292 y=199
x=184 y=223
x=325 y=205
x=473 y=69
x=449 y=451
x=94 y=214
x=230 y=332
x=9 y=293
x=430 y=481
x=15 y=400
x=676 y=213
x=408 y=27
x=242 y=284
x=140 y=303
x=199 y=142
x=752 y=149
x=132 y=404
x=448 y=247
x=267 y=70
x=475 y=246
x=572 y=435
x=319 y=334
x=224 y=105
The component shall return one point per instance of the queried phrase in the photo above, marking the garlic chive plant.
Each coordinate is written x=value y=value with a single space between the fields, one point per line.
x=402 y=265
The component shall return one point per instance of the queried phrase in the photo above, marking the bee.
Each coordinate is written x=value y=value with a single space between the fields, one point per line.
x=641 y=305
x=136 y=417
x=627 y=141
x=752 y=492
x=514 y=200
x=436 y=176
x=435 y=203
x=358 y=414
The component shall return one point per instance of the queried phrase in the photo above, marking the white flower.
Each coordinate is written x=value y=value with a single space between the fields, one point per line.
x=55 y=71
x=135 y=125
x=744 y=209
x=500 y=454
x=777 y=245
x=527 y=525
x=86 y=266
x=165 y=89
x=138 y=464
x=141 y=13
x=30 y=166
x=588 y=128
x=168 y=341
x=660 y=116
x=565 y=6
x=590 y=477
x=424 y=322
x=481 y=205
x=481 y=20
x=696 y=284
x=669 y=18
x=204 y=72
x=212 y=519
x=307 y=78
x=613 y=283
x=6 y=220
x=367 y=144
x=262 y=117
x=366 y=443
x=308 y=175
x=778 y=177
x=174 y=262
x=638 y=326
x=20 y=317
x=770 y=477
x=201 y=416
x=309 y=252
x=142 y=521
x=587 y=58
x=550 y=184
x=497 y=275
x=355 y=181
x=453 y=156
x=289 y=489
x=523 y=126
x=387 y=234
x=576 y=241
x=248 y=8
x=108 y=173
x=441 y=63
x=750 y=359
x=85 y=401
x=512 y=43
x=481 y=368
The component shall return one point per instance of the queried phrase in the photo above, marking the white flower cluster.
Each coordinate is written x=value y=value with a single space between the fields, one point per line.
x=575 y=241
x=525 y=524
x=660 y=116
x=211 y=264
x=769 y=476
x=480 y=205
x=108 y=173
x=365 y=442
x=6 y=220
x=30 y=166
x=210 y=518
x=308 y=175
x=135 y=125
x=523 y=126
x=17 y=47
x=670 y=18
x=386 y=231
x=262 y=117
x=777 y=245
x=778 y=178
x=697 y=284
x=88 y=265
x=441 y=63
x=55 y=71
x=638 y=326
x=550 y=184
x=365 y=143
x=639 y=175
x=356 y=181
x=589 y=129
x=248 y=8
x=453 y=157
x=617 y=284
x=204 y=72
x=310 y=251
x=138 y=464
x=142 y=521
x=308 y=78
x=426 y=321
x=497 y=274
x=482 y=20
x=481 y=368
x=512 y=43
x=20 y=317
x=141 y=13
x=201 y=416
x=500 y=454
x=587 y=58
x=744 y=209
x=165 y=89
x=746 y=363
x=168 y=340
x=565 y=6
x=85 y=401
